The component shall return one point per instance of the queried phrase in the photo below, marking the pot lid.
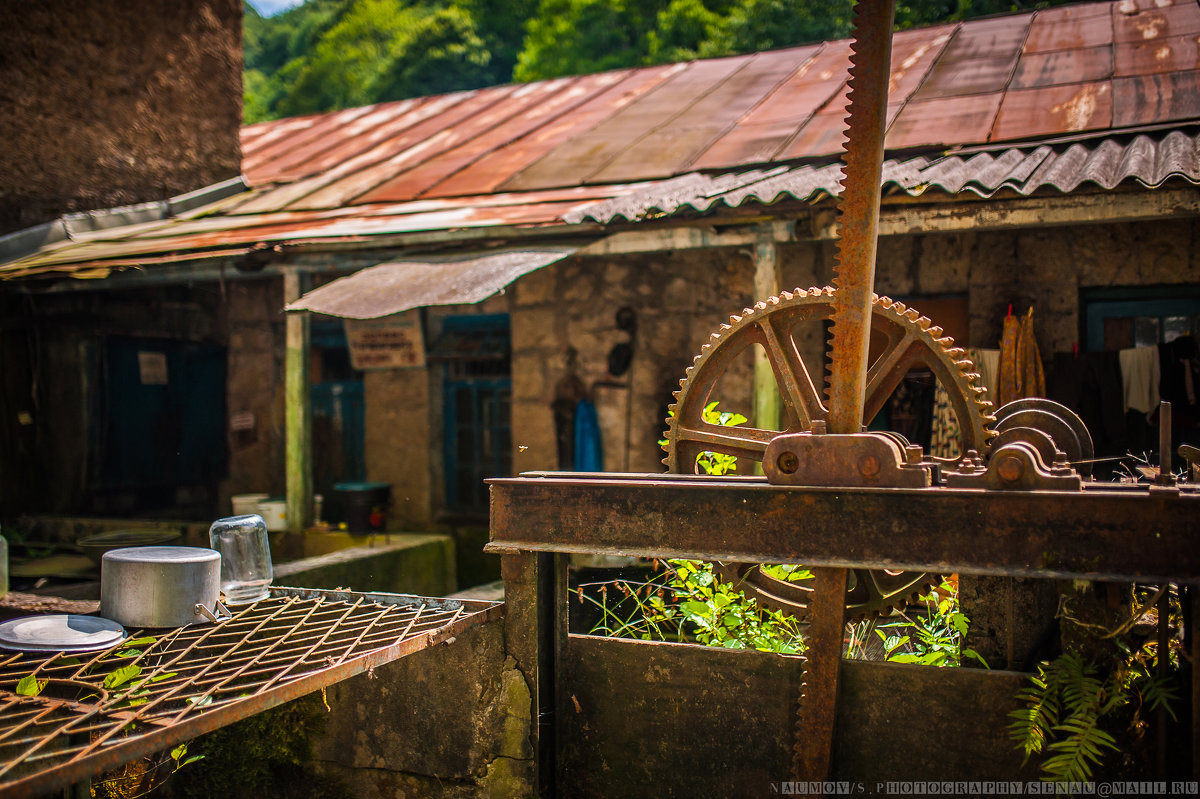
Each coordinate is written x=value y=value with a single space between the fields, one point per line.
x=162 y=555
x=60 y=633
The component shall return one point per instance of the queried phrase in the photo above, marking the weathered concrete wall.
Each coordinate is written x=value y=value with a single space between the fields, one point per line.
x=446 y=723
x=115 y=102
x=255 y=386
x=409 y=564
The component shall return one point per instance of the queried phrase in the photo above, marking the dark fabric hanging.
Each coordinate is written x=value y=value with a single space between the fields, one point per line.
x=1090 y=384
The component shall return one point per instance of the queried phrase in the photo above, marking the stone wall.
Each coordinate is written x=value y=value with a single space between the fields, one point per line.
x=115 y=102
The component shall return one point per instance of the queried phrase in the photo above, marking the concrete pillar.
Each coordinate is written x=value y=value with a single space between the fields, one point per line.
x=768 y=281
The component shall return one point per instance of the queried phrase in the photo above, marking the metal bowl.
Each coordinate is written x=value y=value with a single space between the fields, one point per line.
x=160 y=586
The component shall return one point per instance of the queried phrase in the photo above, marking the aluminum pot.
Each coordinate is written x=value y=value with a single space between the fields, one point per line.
x=161 y=586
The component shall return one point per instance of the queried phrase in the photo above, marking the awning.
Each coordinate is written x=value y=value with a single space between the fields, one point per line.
x=397 y=286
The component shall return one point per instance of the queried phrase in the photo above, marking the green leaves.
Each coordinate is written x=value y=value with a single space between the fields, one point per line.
x=30 y=686
x=121 y=676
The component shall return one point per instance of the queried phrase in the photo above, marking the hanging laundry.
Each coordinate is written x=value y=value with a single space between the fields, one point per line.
x=588 y=454
x=987 y=364
x=1139 y=378
x=1020 y=373
x=945 y=434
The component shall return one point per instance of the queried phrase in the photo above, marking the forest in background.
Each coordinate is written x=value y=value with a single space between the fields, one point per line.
x=329 y=54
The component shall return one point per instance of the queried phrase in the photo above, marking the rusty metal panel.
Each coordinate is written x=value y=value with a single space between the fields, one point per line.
x=1159 y=56
x=1156 y=98
x=642 y=120
x=523 y=111
x=554 y=155
x=1093 y=534
x=944 y=121
x=1152 y=21
x=348 y=140
x=914 y=53
x=1028 y=113
x=328 y=189
x=464 y=122
x=270 y=132
x=260 y=165
x=1071 y=27
x=979 y=59
x=1082 y=65
x=769 y=126
x=398 y=286
x=672 y=148
x=823 y=134
x=590 y=98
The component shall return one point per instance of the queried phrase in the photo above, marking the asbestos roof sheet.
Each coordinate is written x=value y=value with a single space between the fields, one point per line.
x=1103 y=163
x=392 y=288
x=1105 y=66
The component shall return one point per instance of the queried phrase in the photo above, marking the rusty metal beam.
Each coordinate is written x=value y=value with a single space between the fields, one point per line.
x=815 y=727
x=1100 y=533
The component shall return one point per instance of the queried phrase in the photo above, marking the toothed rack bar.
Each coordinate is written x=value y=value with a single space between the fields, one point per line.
x=1105 y=532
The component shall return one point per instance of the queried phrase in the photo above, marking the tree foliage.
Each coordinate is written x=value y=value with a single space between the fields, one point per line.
x=329 y=54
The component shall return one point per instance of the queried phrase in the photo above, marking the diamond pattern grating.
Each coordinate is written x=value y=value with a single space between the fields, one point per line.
x=99 y=711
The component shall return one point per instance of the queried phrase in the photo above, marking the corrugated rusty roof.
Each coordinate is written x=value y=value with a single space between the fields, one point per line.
x=1083 y=68
x=1104 y=163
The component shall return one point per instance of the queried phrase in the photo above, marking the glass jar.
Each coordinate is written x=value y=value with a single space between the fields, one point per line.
x=246 y=571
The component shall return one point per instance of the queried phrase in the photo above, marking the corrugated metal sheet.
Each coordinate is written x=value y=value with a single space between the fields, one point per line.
x=1104 y=163
x=398 y=286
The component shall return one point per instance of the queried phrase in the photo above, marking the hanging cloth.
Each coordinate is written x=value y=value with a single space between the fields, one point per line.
x=945 y=434
x=588 y=454
x=1139 y=378
x=1021 y=373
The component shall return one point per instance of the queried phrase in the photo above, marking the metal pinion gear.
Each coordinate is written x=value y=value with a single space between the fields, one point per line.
x=909 y=340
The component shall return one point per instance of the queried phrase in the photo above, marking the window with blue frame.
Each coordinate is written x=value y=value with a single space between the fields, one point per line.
x=1117 y=319
x=477 y=410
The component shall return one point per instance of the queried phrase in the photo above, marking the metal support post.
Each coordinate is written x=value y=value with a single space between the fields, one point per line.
x=298 y=410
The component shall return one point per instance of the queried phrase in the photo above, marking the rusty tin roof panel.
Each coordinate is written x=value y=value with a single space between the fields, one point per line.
x=1150 y=99
x=398 y=286
x=1055 y=110
x=1082 y=65
x=943 y=121
x=1070 y=28
x=1147 y=21
x=1158 y=56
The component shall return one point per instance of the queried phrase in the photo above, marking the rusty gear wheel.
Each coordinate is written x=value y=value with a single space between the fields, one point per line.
x=909 y=340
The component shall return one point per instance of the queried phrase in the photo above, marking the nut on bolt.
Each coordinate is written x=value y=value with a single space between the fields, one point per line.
x=868 y=466
x=787 y=462
x=1010 y=467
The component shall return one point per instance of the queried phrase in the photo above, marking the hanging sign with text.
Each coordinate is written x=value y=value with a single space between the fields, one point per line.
x=390 y=342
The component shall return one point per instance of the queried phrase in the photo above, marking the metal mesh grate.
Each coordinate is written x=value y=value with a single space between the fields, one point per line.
x=98 y=711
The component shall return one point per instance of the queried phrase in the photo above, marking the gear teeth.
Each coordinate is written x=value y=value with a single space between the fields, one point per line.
x=913 y=315
x=945 y=342
x=956 y=353
x=787 y=295
x=886 y=302
x=900 y=308
x=934 y=331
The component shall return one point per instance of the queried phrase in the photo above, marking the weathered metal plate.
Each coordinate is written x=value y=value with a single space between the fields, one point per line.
x=1094 y=534
x=1156 y=98
x=402 y=285
x=262 y=163
x=577 y=107
x=1030 y=113
x=1082 y=65
x=944 y=120
x=526 y=109
x=1159 y=56
x=662 y=108
x=673 y=148
x=556 y=155
x=1155 y=20
x=1070 y=28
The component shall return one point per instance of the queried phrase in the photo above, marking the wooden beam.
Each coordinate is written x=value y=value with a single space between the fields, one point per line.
x=298 y=399
x=905 y=217
x=768 y=282
x=690 y=238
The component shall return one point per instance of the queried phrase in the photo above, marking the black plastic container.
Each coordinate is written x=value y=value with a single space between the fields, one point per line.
x=365 y=505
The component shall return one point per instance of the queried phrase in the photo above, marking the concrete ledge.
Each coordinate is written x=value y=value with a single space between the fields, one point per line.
x=404 y=564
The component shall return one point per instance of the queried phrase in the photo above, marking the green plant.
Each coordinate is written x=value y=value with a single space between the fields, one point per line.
x=931 y=634
x=1074 y=708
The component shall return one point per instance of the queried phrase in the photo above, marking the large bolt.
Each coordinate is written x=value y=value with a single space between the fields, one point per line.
x=787 y=462
x=868 y=466
x=1010 y=468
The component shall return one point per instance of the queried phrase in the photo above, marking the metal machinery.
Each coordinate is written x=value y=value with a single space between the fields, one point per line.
x=869 y=512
